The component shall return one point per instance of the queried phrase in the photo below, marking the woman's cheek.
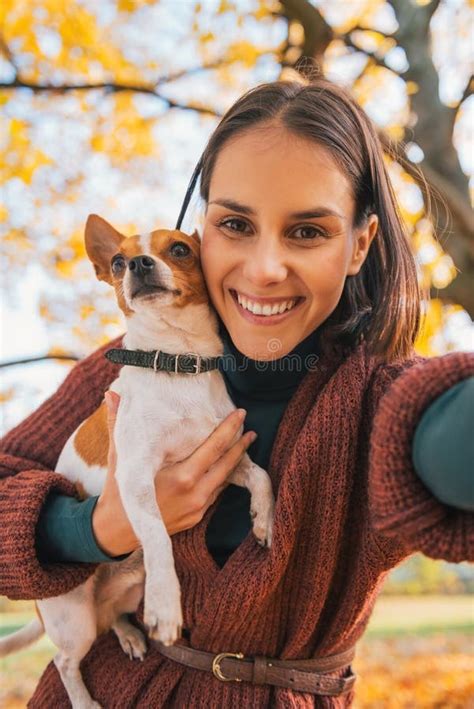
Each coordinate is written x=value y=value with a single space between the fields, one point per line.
x=211 y=262
x=326 y=283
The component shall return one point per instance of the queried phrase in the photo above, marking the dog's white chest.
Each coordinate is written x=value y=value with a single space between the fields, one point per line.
x=176 y=413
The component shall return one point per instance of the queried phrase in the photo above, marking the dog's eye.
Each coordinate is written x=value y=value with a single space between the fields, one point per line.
x=180 y=249
x=118 y=264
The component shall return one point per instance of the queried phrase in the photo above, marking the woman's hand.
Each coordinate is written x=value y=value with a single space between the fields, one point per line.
x=184 y=490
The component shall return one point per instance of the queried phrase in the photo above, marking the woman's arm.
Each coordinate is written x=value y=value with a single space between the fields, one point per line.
x=443 y=446
x=65 y=532
x=28 y=455
x=403 y=508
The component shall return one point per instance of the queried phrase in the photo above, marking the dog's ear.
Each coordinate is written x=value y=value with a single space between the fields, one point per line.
x=102 y=242
x=195 y=236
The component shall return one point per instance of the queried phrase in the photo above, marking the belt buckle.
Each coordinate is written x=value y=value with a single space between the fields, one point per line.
x=196 y=365
x=216 y=667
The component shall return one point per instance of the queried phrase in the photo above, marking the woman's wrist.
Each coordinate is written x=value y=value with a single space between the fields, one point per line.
x=111 y=537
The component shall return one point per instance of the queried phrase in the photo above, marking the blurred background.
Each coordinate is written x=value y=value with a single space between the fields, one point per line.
x=106 y=107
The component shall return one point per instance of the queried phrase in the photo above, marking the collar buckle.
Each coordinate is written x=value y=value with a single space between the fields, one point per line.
x=196 y=364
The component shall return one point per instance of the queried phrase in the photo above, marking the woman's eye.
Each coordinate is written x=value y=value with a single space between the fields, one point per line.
x=118 y=264
x=309 y=232
x=239 y=224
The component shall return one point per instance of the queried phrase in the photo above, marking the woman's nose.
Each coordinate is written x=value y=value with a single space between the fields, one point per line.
x=265 y=264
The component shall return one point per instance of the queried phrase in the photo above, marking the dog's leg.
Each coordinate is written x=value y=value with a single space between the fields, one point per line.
x=250 y=475
x=135 y=478
x=70 y=622
x=68 y=668
x=131 y=639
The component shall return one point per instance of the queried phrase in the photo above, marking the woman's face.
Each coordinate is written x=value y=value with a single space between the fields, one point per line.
x=278 y=229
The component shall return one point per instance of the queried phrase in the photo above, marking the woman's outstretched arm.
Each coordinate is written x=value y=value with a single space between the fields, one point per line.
x=404 y=504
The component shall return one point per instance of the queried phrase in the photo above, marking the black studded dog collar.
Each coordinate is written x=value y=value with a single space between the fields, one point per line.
x=159 y=361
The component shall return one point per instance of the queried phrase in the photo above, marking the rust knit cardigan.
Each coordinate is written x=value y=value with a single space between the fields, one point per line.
x=349 y=507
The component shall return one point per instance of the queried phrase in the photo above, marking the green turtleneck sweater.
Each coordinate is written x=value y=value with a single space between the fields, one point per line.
x=443 y=452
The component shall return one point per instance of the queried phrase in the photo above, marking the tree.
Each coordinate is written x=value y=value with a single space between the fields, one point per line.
x=431 y=122
x=107 y=106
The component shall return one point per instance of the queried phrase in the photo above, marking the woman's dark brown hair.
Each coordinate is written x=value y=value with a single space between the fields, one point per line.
x=380 y=304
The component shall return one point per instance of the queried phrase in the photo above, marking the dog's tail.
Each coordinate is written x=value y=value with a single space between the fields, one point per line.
x=21 y=638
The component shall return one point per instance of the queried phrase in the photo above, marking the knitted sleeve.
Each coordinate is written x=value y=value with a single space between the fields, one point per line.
x=28 y=455
x=403 y=510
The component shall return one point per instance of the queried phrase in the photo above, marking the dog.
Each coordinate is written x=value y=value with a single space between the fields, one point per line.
x=162 y=418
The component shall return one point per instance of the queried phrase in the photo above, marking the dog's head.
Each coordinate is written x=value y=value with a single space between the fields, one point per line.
x=148 y=272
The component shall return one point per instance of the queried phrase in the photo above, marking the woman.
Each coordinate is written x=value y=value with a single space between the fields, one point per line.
x=299 y=210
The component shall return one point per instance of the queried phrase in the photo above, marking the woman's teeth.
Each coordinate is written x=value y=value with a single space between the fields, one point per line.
x=258 y=309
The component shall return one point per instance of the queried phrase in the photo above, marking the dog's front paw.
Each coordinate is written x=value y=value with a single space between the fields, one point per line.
x=163 y=617
x=262 y=510
x=262 y=522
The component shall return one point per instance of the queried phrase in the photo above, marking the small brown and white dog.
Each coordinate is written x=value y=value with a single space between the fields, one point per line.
x=162 y=418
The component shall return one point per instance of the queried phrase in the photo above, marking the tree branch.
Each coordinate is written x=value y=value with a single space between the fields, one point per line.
x=349 y=42
x=8 y=54
x=110 y=87
x=40 y=358
x=453 y=221
x=317 y=33
x=431 y=8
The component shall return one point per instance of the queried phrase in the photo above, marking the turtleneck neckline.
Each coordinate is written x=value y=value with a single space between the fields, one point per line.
x=271 y=378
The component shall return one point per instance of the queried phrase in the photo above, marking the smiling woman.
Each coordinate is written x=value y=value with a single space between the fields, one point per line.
x=311 y=274
x=296 y=191
x=258 y=252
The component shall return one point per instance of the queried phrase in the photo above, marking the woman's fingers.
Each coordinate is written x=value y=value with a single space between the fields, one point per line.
x=112 y=399
x=216 y=444
x=219 y=471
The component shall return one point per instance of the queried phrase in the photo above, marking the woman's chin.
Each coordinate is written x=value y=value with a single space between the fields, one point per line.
x=266 y=349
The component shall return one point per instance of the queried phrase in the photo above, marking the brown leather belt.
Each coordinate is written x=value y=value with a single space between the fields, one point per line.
x=300 y=675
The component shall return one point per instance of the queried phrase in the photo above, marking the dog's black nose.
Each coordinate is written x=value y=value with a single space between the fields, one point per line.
x=141 y=265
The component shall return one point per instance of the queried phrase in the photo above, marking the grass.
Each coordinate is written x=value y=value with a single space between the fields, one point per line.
x=404 y=634
x=421 y=615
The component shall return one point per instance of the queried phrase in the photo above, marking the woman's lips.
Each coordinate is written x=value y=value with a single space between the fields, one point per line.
x=265 y=319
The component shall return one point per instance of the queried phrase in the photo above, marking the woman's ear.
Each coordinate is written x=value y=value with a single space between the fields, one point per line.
x=363 y=237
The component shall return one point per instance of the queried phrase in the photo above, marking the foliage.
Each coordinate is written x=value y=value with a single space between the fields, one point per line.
x=421 y=575
x=431 y=672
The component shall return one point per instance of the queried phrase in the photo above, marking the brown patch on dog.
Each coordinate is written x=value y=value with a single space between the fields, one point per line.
x=81 y=491
x=39 y=614
x=92 y=438
x=187 y=271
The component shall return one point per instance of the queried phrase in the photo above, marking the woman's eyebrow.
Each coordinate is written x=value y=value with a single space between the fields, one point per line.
x=307 y=214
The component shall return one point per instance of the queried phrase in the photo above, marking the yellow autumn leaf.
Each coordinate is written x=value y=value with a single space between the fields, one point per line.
x=64 y=268
x=411 y=87
x=77 y=244
x=45 y=312
x=6 y=395
x=207 y=37
x=126 y=134
x=225 y=6
x=435 y=317
x=86 y=311
x=23 y=159
x=243 y=51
